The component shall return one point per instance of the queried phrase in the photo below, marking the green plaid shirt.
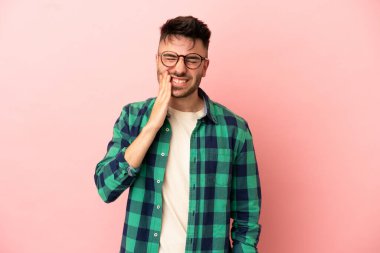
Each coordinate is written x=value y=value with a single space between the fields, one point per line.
x=224 y=182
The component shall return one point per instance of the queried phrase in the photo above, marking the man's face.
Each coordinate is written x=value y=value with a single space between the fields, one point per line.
x=184 y=81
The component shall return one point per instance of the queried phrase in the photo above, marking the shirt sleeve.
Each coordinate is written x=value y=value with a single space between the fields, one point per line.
x=245 y=198
x=113 y=174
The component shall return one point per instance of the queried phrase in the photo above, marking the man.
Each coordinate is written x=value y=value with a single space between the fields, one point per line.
x=188 y=162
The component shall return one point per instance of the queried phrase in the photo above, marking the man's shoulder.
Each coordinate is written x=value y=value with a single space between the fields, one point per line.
x=138 y=107
x=225 y=115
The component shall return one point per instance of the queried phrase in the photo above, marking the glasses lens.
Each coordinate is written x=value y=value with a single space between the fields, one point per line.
x=193 y=61
x=169 y=59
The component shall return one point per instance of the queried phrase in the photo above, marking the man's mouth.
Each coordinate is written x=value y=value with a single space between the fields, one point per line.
x=175 y=80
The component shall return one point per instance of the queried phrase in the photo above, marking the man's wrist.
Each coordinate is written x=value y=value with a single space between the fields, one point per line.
x=150 y=129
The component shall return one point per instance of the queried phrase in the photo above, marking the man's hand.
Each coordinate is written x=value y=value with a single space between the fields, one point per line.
x=160 y=108
x=136 y=152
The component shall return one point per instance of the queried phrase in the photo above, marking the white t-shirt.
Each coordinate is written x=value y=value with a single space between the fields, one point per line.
x=175 y=188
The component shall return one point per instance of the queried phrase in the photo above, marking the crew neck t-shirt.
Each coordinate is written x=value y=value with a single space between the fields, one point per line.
x=175 y=188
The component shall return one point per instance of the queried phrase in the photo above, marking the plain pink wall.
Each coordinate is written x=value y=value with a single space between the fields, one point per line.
x=305 y=74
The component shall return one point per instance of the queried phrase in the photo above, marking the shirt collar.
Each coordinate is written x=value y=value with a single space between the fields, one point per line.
x=209 y=106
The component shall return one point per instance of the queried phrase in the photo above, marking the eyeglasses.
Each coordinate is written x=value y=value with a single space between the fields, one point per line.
x=192 y=61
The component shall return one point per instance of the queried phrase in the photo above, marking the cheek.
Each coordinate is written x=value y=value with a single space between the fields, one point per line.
x=198 y=76
x=202 y=73
x=161 y=68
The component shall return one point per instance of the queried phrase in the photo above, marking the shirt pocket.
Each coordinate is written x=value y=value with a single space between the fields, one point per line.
x=218 y=167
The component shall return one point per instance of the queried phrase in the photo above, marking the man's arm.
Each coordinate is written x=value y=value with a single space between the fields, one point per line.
x=118 y=169
x=246 y=198
x=137 y=150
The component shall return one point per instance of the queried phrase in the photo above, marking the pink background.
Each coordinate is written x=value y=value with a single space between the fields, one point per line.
x=305 y=74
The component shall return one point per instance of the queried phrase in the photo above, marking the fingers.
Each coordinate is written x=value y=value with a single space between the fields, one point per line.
x=161 y=77
x=164 y=78
x=165 y=86
x=161 y=104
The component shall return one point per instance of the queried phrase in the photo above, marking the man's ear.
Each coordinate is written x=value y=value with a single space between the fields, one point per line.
x=204 y=67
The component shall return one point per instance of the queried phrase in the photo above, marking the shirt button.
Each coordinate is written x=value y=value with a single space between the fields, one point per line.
x=158 y=206
x=167 y=129
x=155 y=234
x=158 y=181
x=162 y=154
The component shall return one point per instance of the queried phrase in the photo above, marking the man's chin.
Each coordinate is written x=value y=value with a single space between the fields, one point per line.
x=182 y=93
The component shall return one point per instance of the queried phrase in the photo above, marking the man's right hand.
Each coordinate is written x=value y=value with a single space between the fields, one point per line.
x=161 y=105
x=136 y=152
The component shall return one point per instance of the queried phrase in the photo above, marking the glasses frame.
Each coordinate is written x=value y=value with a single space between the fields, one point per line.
x=184 y=59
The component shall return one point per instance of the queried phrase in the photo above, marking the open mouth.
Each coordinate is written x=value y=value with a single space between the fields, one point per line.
x=178 y=81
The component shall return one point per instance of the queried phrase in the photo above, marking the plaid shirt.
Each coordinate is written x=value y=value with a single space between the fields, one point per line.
x=224 y=182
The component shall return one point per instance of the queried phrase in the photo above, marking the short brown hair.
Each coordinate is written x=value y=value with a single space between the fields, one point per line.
x=187 y=26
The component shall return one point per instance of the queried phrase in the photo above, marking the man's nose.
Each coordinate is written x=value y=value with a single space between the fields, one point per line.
x=180 y=67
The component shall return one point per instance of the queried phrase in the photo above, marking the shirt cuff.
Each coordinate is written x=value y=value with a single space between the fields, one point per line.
x=124 y=166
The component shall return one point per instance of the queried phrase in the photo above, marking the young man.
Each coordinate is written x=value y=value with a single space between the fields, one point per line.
x=188 y=162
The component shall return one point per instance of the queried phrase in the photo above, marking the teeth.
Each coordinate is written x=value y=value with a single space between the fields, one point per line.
x=178 y=80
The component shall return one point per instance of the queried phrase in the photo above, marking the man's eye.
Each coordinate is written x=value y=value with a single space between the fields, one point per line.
x=193 y=60
x=170 y=57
